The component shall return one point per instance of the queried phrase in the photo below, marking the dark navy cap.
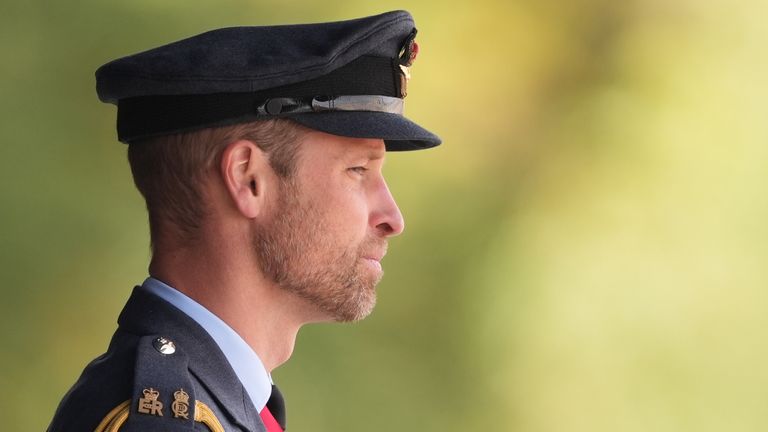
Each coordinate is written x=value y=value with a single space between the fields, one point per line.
x=346 y=78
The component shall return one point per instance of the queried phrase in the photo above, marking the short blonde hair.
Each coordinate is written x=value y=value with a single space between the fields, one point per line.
x=169 y=170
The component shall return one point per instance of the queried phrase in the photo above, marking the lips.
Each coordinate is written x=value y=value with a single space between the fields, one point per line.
x=374 y=265
x=374 y=257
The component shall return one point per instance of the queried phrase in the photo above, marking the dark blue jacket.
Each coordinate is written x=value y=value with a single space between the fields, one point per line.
x=156 y=391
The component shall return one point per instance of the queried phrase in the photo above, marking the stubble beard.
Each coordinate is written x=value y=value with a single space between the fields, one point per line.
x=300 y=257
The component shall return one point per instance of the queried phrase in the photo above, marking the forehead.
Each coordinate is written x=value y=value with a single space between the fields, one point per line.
x=320 y=147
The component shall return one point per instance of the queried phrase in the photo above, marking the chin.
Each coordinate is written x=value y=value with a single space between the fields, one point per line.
x=356 y=310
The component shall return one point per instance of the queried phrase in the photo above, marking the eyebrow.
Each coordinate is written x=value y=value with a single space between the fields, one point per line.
x=369 y=154
x=375 y=155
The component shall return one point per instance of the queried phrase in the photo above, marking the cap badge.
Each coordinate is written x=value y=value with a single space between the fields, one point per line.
x=407 y=55
x=405 y=68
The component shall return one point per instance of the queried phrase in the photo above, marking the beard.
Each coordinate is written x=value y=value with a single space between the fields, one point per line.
x=300 y=257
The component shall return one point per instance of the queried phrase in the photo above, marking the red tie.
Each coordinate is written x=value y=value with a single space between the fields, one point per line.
x=269 y=421
x=273 y=414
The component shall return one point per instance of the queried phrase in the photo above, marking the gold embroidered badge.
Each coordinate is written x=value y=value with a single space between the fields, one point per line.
x=408 y=55
x=405 y=76
x=149 y=403
x=180 y=405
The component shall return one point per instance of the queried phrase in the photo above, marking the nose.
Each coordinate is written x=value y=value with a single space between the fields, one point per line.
x=385 y=217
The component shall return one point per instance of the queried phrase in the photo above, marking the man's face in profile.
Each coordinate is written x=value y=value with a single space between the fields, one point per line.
x=329 y=227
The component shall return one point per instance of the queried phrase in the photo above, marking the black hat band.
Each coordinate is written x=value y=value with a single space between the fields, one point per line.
x=368 y=83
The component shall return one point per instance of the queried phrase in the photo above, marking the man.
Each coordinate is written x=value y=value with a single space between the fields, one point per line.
x=259 y=152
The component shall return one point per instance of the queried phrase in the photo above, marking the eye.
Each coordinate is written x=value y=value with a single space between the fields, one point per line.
x=358 y=170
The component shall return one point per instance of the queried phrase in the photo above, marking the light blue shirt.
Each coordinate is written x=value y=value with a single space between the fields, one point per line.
x=246 y=364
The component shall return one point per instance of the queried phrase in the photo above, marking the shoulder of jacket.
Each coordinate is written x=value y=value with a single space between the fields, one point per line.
x=163 y=394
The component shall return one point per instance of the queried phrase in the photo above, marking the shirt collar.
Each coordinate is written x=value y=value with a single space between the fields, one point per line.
x=244 y=361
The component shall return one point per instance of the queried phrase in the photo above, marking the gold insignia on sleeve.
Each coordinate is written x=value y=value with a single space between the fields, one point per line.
x=149 y=403
x=180 y=405
x=205 y=415
x=115 y=418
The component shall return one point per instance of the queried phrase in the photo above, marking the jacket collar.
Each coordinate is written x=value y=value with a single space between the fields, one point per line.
x=147 y=314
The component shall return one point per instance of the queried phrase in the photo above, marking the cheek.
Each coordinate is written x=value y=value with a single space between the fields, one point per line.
x=340 y=206
x=347 y=213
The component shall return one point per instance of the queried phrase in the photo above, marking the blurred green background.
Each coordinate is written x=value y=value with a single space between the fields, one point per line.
x=586 y=252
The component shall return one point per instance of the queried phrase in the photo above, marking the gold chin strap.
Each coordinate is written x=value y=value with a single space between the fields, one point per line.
x=115 y=419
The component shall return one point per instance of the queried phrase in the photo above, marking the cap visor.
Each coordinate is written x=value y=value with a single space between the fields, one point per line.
x=398 y=133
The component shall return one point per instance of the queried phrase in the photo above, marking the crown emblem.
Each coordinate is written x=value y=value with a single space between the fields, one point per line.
x=151 y=394
x=180 y=405
x=181 y=396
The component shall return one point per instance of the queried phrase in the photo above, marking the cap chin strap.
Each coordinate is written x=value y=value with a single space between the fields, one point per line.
x=375 y=103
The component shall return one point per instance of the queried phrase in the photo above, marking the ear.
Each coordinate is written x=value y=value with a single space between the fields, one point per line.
x=245 y=171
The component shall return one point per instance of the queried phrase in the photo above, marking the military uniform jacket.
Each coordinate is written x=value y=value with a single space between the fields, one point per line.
x=161 y=372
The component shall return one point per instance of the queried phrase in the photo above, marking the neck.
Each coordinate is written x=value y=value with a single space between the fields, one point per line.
x=264 y=315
